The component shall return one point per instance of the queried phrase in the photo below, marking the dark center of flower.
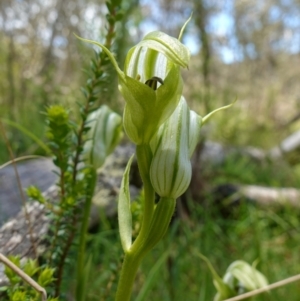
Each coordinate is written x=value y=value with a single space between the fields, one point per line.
x=152 y=82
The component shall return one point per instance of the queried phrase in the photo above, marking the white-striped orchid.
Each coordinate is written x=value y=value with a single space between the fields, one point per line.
x=172 y=147
x=157 y=55
x=104 y=135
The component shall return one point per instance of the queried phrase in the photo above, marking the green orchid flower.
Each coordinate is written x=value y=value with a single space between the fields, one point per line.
x=240 y=277
x=172 y=146
x=104 y=135
x=171 y=168
x=151 y=83
x=158 y=120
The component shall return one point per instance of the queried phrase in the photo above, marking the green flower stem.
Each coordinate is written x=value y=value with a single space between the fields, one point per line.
x=156 y=220
x=158 y=227
x=81 y=277
x=130 y=267
x=133 y=257
x=144 y=157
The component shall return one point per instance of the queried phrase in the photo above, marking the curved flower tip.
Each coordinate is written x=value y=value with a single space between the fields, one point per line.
x=184 y=26
x=205 y=119
x=108 y=53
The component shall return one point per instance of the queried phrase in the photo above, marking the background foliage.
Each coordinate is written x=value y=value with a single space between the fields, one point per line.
x=244 y=48
x=249 y=49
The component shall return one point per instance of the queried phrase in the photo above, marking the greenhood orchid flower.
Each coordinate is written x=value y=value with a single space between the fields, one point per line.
x=156 y=56
x=171 y=169
x=104 y=135
x=240 y=277
x=158 y=120
x=172 y=146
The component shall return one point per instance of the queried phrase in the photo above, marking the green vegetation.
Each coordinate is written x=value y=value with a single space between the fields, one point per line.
x=43 y=112
x=174 y=271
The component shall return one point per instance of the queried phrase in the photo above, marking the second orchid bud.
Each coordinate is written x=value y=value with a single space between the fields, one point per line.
x=172 y=147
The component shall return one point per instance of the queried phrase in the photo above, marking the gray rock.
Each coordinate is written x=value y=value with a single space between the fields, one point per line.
x=36 y=172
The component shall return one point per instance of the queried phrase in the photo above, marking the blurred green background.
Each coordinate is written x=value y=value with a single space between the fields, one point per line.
x=248 y=50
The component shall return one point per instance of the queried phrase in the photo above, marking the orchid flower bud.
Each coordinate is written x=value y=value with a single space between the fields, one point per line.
x=104 y=134
x=172 y=147
x=151 y=83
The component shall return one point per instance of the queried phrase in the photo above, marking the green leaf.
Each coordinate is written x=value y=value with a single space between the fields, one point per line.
x=81 y=290
x=224 y=291
x=31 y=267
x=18 y=296
x=124 y=212
x=152 y=277
x=46 y=277
x=28 y=134
x=163 y=213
